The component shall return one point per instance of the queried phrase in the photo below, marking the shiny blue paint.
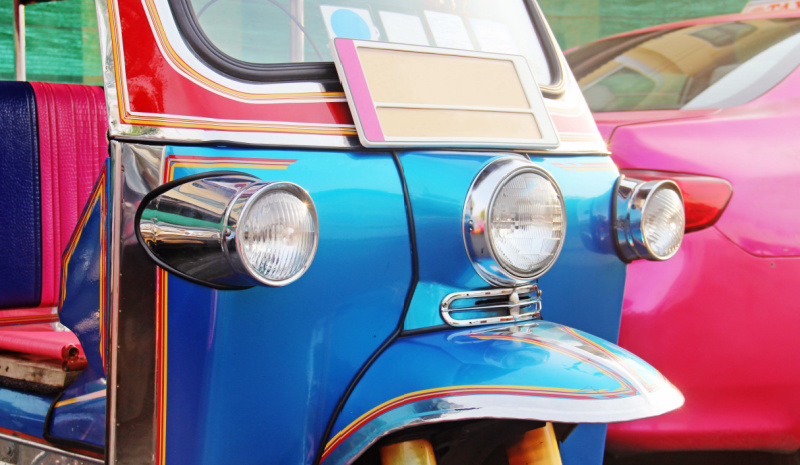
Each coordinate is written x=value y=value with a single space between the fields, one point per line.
x=80 y=310
x=23 y=412
x=82 y=421
x=568 y=380
x=583 y=289
x=85 y=421
x=588 y=266
x=438 y=184
x=266 y=366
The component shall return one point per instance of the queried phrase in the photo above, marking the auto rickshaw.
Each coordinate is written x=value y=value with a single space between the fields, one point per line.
x=319 y=232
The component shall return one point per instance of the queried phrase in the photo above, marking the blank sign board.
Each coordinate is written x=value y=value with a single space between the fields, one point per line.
x=406 y=95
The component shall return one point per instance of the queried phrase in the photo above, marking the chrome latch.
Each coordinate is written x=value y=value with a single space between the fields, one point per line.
x=490 y=306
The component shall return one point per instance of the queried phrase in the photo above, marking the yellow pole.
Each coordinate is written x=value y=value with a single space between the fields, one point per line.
x=416 y=452
x=537 y=447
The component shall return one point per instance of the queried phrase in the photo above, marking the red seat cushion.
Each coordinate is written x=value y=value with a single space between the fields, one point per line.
x=72 y=149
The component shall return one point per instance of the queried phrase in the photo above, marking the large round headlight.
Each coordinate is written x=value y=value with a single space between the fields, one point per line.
x=229 y=230
x=650 y=219
x=274 y=232
x=514 y=222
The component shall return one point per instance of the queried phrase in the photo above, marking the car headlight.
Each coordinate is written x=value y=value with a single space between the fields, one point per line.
x=649 y=219
x=514 y=222
x=229 y=230
x=273 y=231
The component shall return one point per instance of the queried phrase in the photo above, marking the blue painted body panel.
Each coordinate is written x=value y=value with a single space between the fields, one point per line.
x=24 y=412
x=82 y=417
x=538 y=371
x=266 y=366
x=583 y=289
x=83 y=310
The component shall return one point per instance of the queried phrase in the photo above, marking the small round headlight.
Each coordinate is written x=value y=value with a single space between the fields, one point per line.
x=514 y=222
x=274 y=232
x=650 y=219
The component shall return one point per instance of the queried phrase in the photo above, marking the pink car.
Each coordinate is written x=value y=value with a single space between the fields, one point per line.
x=713 y=104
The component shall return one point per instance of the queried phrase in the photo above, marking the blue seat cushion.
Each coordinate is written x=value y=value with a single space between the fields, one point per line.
x=20 y=216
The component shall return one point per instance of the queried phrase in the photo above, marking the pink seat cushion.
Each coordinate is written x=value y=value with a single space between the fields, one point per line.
x=72 y=149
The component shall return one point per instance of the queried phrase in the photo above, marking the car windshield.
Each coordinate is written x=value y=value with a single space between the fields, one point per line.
x=703 y=66
x=286 y=31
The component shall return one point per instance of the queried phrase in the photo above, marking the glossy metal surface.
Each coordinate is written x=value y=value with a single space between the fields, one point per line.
x=16 y=450
x=514 y=372
x=588 y=266
x=517 y=304
x=131 y=407
x=477 y=210
x=630 y=203
x=192 y=229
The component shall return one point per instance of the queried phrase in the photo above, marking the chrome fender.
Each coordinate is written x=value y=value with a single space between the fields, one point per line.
x=536 y=371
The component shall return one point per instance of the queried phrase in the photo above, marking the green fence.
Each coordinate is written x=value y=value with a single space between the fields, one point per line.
x=61 y=42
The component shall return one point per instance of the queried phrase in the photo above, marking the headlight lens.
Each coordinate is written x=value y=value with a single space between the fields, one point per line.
x=276 y=234
x=663 y=222
x=526 y=223
x=649 y=219
x=514 y=222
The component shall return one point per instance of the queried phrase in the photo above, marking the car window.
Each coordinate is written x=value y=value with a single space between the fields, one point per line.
x=299 y=31
x=703 y=66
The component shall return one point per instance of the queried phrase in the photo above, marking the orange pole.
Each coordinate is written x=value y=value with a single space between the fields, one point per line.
x=537 y=447
x=416 y=452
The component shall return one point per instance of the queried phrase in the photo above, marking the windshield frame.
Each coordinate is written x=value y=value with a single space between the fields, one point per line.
x=325 y=72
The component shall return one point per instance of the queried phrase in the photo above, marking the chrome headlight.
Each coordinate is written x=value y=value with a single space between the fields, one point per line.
x=649 y=219
x=514 y=222
x=229 y=230
x=273 y=232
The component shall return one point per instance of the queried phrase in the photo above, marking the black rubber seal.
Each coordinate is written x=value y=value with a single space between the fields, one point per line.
x=160 y=190
x=412 y=236
x=61 y=442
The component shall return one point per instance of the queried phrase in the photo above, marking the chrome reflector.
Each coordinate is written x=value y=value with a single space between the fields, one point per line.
x=649 y=219
x=229 y=230
x=514 y=222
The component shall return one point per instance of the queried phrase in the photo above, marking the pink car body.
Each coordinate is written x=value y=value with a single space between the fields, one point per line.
x=720 y=319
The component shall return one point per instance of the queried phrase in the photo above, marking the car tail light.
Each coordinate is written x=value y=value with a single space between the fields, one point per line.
x=704 y=197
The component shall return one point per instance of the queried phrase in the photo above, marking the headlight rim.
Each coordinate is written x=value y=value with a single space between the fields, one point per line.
x=492 y=178
x=630 y=202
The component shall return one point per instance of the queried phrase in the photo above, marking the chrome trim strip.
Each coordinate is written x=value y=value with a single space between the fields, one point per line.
x=477 y=207
x=51 y=449
x=131 y=419
x=630 y=201
x=516 y=303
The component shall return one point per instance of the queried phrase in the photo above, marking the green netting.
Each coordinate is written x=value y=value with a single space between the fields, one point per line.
x=575 y=22
x=61 y=42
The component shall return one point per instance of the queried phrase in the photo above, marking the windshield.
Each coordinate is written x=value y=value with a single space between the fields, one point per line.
x=295 y=31
x=703 y=66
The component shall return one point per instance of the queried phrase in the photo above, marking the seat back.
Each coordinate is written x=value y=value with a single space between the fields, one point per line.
x=52 y=147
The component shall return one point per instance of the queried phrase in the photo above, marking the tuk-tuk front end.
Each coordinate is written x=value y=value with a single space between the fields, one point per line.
x=352 y=233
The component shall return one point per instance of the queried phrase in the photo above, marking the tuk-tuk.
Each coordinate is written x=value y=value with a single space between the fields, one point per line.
x=319 y=232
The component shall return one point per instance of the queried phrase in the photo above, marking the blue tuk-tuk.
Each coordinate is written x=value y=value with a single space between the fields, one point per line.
x=319 y=232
